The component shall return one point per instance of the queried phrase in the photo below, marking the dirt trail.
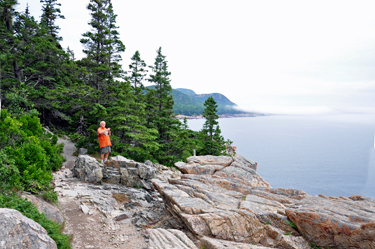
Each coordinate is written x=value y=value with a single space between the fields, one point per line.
x=69 y=149
x=96 y=228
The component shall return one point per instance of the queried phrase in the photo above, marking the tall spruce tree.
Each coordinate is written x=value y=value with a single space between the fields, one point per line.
x=160 y=113
x=50 y=13
x=102 y=47
x=137 y=72
x=211 y=134
x=131 y=138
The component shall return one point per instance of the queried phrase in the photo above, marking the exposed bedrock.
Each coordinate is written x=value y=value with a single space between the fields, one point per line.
x=120 y=170
x=335 y=223
x=87 y=169
x=169 y=239
x=18 y=231
x=226 y=204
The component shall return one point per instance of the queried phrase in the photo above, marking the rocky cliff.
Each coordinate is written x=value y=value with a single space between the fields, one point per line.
x=212 y=202
x=222 y=202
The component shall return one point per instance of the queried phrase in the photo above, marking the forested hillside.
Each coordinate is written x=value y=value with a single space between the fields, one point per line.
x=188 y=103
x=71 y=96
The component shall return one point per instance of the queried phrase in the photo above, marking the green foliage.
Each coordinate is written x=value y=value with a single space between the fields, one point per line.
x=291 y=224
x=43 y=83
x=49 y=196
x=28 y=152
x=10 y=178
x=244 y=197
x=51 y=13
x=186 y=102
x=211 y=134
x=29 y=210
x=160 y=115
x=313 y=245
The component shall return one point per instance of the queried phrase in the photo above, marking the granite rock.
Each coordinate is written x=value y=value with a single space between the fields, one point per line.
x=335 y=223
x=18 y=231
x=88 y=169
x=210 y=243
x=168 y=239
x=209 y=210
x=246 y=162
x=49 y=209
x=210 y=160
x=197 y=169
x=82 y=151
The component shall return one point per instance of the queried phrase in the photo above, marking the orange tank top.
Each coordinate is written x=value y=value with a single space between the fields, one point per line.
x=104 y=140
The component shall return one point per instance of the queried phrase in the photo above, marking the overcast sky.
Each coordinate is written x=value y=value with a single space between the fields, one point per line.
x=268 y=56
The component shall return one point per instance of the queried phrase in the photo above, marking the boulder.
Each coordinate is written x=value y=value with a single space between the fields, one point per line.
x=335 y=223
x=246 y=162
x=88 y=169
x=82 y=151
x=197 y=169
x=49 y=209
x=169 y=239
x=282 y=195
x=18 y=231
x=210 y=160
x=241 y=172
x=210 y=243
x=122 y=170
x=210 y=210
x=227 y=183
x=165 y=173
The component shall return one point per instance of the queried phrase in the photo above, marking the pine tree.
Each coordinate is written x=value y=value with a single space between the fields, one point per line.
x=102 y=47
x=160 y=113
x=131 y=138
x=137 y=72
x=211 y=133
x=50 y=13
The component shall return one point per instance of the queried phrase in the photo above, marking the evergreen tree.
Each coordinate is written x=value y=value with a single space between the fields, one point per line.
x=160 y=113
x=137 y=72
x=131 y=138
x=102 y=47
x=211 y=133
x=50 y=13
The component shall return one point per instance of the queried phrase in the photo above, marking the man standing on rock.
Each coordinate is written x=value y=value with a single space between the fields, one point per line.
x=104 y=141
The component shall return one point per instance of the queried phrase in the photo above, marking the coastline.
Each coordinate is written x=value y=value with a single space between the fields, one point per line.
x=223 y=116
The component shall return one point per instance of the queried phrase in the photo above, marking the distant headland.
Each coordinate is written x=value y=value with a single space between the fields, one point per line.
x=223 y=116
x=191 y=105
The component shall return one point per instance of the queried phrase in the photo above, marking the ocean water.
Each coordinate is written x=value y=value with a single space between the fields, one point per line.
x=332 y=155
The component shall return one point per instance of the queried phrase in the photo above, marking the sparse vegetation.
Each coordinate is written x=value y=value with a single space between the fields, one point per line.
x=291 y=224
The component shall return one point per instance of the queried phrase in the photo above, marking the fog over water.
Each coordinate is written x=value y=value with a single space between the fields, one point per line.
x=332 y=155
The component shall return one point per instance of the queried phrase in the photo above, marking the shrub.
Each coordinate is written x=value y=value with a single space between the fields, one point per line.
x=28 y=153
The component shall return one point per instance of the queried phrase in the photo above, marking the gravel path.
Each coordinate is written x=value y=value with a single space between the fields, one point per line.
x=69 y=149
x=94 y=228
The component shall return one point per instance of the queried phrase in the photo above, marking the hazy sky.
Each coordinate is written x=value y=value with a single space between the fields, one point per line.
x=266 y=56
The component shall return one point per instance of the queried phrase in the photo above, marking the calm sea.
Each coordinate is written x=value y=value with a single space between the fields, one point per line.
x=332 y=155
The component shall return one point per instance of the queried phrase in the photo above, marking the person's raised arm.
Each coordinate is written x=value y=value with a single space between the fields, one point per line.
x=103 y=131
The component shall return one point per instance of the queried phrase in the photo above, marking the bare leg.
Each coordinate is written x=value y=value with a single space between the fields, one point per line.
x=102 y=157
x=106 y=156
